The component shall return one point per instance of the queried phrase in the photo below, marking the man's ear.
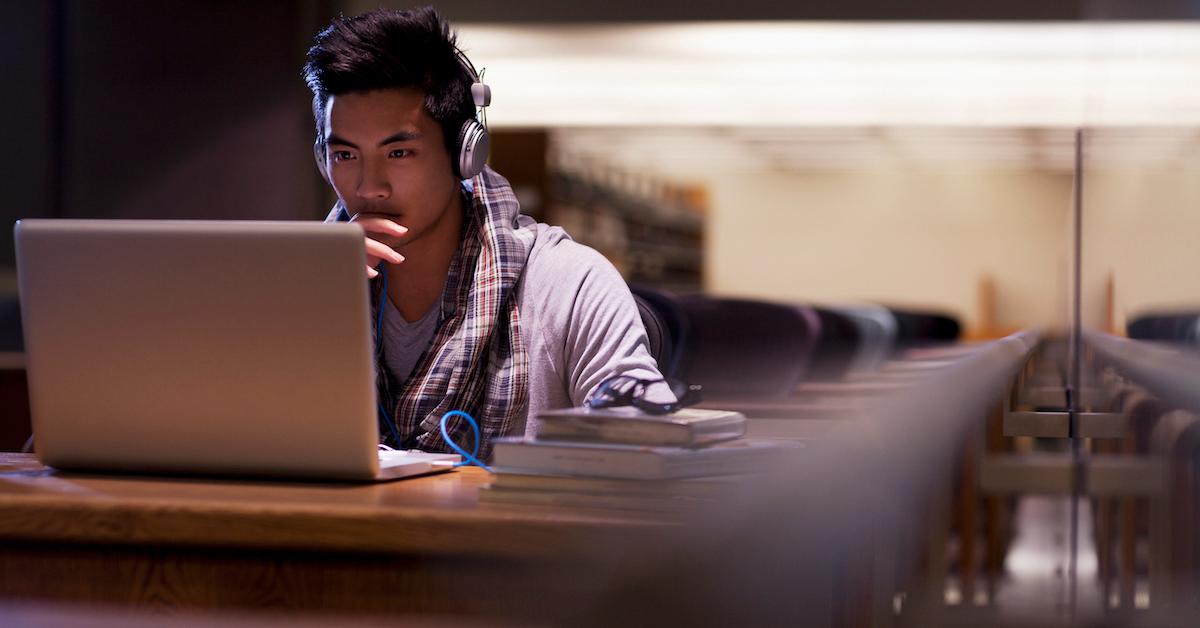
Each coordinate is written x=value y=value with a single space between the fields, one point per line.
x=319 y=155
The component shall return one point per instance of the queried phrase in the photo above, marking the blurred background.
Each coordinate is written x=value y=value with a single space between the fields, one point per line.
x=1003 y=166
x=915 y=155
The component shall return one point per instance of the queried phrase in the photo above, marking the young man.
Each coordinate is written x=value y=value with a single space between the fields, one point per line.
x=479 y=308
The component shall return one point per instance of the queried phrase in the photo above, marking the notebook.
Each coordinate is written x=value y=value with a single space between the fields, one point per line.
x=210 y=347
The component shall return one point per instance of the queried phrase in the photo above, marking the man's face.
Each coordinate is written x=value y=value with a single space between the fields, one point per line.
x=385 y=156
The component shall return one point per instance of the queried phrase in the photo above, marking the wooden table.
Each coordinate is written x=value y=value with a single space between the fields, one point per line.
x=422 y=545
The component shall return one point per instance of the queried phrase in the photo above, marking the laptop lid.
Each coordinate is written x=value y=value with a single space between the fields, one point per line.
x=199 y=346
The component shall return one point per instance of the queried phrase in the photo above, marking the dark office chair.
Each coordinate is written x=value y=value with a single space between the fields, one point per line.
x=915 y=327
x=1170 y=327
x=837 y=344
x=1140 y=328
x=670 y=325
x=1166 y=326
x=738 y=347
x=659 y=338
x=876 y=334
x=943 y=328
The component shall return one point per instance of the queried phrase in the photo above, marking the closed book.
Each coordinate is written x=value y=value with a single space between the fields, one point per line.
x=634 y=461
x=689 y=427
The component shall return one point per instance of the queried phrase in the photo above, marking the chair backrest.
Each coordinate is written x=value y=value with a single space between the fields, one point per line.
x=1140 y=327
x=656 y=333
x=1193 y=331
x=739 y=347
x=876 y=331
x=1143 y=411
x=943 y=328
x=836 y=346
x=1182 y=326
x=1171 y=326
x=915 y=327
x=670 y=325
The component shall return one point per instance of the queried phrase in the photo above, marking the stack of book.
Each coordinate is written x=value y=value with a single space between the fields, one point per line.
x=622 y=458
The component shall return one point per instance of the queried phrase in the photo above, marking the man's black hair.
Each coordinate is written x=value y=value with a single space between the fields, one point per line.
x=386 y=48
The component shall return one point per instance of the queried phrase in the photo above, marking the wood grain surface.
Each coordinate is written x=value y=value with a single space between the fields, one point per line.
x=430 y=515
x=421 y=545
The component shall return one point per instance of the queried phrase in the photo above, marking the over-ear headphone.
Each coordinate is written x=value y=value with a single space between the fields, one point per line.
x=473 y=141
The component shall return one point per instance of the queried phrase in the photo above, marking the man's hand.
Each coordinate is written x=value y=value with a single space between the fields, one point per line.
x=383 y=233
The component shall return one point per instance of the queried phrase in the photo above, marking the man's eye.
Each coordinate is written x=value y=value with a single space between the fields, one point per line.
x=342 y=155
x=400 y=152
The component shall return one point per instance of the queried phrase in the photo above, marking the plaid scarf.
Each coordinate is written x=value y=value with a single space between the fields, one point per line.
x=477 y=361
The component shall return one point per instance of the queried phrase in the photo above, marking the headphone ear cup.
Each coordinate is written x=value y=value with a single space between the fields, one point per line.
x=473 y=146
x=319 y=155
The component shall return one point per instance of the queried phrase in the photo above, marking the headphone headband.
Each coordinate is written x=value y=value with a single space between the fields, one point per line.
x=481 y=94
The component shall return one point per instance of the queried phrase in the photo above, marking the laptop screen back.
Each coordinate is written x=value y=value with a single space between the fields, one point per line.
x=216 y=346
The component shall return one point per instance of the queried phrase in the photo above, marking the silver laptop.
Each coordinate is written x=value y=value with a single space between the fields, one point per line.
x=214 y=347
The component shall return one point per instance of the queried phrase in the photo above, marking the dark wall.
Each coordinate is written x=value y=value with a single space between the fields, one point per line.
x=188 y=109
x=157 y=110
x=25 y=149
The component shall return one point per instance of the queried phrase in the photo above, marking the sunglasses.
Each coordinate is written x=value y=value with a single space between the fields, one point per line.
x=626 y=390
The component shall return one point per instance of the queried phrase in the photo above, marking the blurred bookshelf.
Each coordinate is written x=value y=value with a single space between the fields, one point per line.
x=651 y=229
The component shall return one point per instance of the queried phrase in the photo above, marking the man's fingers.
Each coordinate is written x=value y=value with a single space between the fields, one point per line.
x=377 y=251
x=381 y=232
x=380 y=224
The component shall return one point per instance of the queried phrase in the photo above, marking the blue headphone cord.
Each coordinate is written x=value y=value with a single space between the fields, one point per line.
x=468 y=458
x=384 y=416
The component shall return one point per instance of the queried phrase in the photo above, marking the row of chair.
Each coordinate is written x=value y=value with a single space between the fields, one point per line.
x=1165 y=519
x=743 y=347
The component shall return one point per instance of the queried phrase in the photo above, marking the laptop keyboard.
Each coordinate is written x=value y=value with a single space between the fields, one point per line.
x=396 y=457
